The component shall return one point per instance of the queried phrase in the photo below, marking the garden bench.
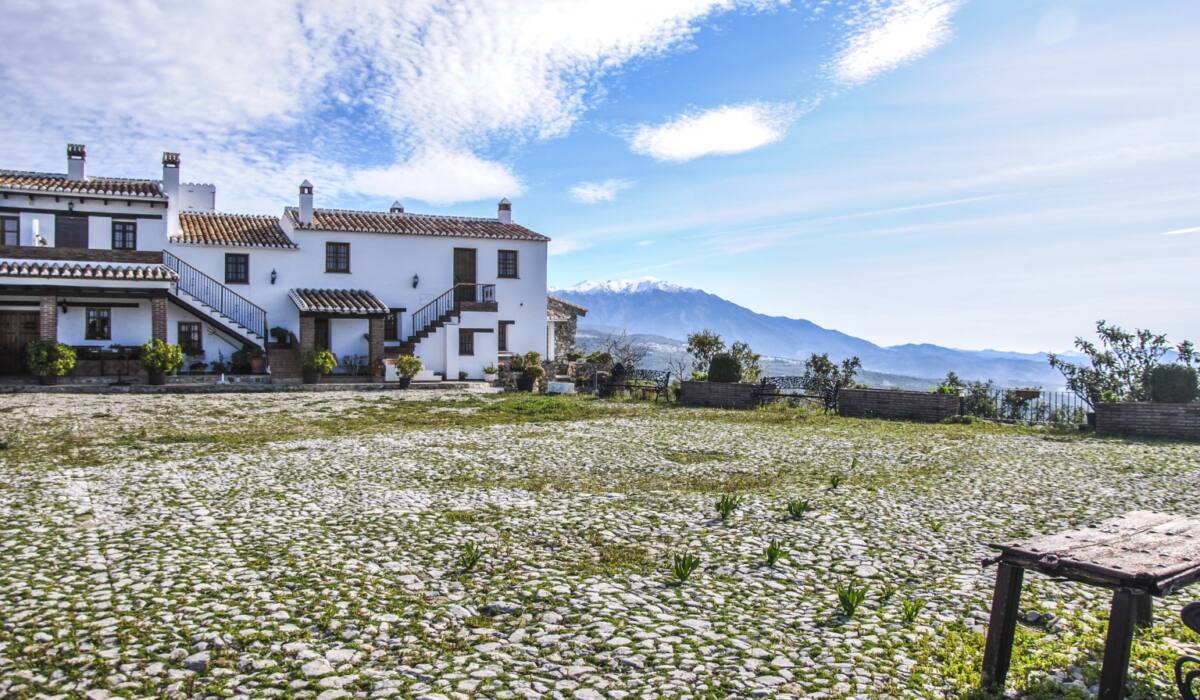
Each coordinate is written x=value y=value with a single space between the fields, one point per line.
x=1189 y=681
x=649 y=382
x=1137 y=555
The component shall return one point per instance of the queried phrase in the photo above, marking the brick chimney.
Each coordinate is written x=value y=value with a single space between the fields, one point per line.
x=397 y=208
x=76 y=161
x=306 y=202
x=504 y=211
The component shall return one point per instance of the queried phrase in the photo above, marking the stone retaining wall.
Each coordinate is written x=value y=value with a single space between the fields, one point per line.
x=886 y=403
x=718 y=394
x=1170 y=420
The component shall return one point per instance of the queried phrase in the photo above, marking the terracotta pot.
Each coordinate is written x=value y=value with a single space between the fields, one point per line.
x=155 y=377
x=311 y=376
x=257 y=364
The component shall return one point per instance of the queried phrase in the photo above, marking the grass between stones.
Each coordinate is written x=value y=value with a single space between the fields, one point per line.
x=312 y=544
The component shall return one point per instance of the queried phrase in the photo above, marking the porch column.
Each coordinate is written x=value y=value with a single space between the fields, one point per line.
x=374 y=342
x=48 y=319
x=158 y=318
x=308 y=334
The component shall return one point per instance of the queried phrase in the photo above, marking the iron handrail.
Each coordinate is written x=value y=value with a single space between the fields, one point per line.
x=449 y=301
x=218 y=297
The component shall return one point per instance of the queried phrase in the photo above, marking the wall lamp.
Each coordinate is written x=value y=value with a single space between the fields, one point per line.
x=416 y=281
x=63 y=305
x=274 y=276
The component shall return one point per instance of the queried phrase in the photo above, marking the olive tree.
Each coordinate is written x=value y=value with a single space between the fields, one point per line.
x=1118 y=367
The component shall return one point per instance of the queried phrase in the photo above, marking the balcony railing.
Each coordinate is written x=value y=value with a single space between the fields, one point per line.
x=449 y=301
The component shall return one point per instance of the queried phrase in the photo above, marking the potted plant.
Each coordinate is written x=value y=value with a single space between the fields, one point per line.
x=529 y=369
x=160 y=357
x=490 y=373
x=254 y=356
x=283 y=337
x=49 y=360
x=316 y=363
x=407 y=367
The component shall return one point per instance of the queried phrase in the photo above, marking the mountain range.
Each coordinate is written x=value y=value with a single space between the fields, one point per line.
x=669 y=312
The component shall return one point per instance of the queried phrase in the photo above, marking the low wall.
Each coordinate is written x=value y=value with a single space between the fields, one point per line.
x=718 y=394
x=886 y=403
x=1170 y=420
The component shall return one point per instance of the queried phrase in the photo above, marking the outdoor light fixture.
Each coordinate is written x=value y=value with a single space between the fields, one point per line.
x=63 y=305
x=274 y=276
x=416 y=281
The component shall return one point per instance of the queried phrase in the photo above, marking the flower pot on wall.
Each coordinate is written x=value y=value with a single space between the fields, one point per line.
x=311 y=376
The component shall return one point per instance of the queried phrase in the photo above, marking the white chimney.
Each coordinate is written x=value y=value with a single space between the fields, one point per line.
x=170 y=185
x=397 y=208
x=504 y=211
x=76 y=161
x=306 y=202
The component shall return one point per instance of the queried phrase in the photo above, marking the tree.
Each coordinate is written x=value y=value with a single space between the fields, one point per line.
x=624 y=350
x=679 y=364
x=826 y=379
x=702 y=346
x=1119 y=367
x=748 y=359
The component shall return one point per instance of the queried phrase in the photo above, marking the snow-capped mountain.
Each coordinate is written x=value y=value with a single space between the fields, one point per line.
x=649 y=305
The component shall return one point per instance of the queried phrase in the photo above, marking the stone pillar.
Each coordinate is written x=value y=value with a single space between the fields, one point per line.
x=48 y=319
x=308 y=334
x=158 y=318
x=374 y=342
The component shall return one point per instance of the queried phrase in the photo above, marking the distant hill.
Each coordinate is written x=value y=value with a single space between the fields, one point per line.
x=652 y=307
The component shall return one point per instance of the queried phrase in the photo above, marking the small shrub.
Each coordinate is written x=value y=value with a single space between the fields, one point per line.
x=321 y=361
x=470 y=556
x=490 y=369
x=910 y=608
x=160 y=356
x=1173 y=384
x=773 y=552
x=886 y=594
x=48 y=358
x=408 y=366
x=850 y=596
x=836 y=480
x=683 y=566
x=798 y=507
x=462 y=376
x=726 y=504
x=724 y=369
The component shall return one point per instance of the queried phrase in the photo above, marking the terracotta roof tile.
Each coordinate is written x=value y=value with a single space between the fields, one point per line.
x=214 y=228
x=59 y=184
x=412 y=224
x=91 y=271
x=357 y=302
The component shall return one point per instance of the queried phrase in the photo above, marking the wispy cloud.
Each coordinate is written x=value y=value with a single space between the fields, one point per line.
x=722 y=130
x=593 y=192
x=1182 y=231
x=440 y=177
x=886 y=35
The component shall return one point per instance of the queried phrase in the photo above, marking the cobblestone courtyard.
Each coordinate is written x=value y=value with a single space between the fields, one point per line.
x=310 y=545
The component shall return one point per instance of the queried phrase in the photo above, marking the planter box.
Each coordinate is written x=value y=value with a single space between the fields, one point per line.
x=1170 y=420
x=886 y=403
x=719 y=395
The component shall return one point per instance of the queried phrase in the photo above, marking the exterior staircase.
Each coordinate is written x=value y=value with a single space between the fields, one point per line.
x=219 y=305
x=447 y=307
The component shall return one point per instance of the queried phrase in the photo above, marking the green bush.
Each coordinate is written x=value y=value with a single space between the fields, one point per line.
x=1173 y=384
x=724 y=369
x=321 y=361
x=160 y=356
x=48 y=358
x=408 y=366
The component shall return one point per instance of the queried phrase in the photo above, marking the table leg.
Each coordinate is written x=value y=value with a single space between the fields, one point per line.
x=1143 y=609
x=1117 y=645
x=1001 y=626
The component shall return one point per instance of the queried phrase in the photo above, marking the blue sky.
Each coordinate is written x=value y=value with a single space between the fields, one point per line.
x=975 y=174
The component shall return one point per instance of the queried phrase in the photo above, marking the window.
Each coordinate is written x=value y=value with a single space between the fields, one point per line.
x=507 y=264
x=337 y=257
x=502 y=336
x=124 y=235
x=11 y=227
x=70 y=231
x=391 y=325
x=99 y=323
x=237 y=268
x=466 y=342
x=190 y=338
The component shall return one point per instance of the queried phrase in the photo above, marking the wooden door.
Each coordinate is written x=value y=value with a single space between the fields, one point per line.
x=321 y=330
x=70 y=231
x=464 y=274
x=17 y=329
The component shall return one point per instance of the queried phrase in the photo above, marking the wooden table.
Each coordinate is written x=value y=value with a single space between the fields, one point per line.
x=1138 y=555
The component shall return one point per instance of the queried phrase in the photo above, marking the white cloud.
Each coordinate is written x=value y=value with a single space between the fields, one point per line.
x=439 y=176
x=324 y=85
x=606 y=191
x=722 y=130
x=563 y=246
x=887 y=34
x=1182 y=231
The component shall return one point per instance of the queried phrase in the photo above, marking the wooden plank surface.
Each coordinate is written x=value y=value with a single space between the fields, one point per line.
x=1155 y=552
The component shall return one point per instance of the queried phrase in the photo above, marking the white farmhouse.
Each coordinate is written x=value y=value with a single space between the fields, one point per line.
x=103 y=264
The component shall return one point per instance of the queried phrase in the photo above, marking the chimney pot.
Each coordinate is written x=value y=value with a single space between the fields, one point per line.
x=306 y=202
x=170 y=160
x=397 y=207
x=76 y=161
x=504 y=211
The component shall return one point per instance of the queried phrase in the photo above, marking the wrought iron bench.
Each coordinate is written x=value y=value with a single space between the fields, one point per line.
x=648 y=382
x=1189 y=681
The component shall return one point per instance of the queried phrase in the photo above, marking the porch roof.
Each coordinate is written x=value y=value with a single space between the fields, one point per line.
x=128 y=272
x=341 y=302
